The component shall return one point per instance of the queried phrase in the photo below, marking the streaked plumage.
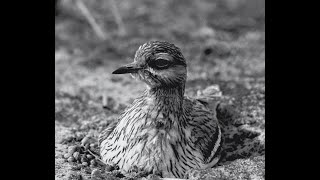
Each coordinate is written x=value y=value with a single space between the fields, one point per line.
x=163 y=131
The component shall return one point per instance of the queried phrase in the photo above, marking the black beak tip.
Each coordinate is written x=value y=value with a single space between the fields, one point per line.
x=125 y=70
x=120 y=70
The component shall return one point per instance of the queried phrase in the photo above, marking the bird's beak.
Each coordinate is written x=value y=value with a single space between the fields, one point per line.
x=129 y=68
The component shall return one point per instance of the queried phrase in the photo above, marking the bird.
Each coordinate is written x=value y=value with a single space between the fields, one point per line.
x=163 y=131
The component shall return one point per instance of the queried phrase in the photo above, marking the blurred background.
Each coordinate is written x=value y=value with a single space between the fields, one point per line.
x=223 y=42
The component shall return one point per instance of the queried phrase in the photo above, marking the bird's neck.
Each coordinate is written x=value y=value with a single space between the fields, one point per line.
x=167 y=96
x=169 y=101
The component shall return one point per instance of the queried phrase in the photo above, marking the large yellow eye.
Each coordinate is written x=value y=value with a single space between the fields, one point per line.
x=162 y=63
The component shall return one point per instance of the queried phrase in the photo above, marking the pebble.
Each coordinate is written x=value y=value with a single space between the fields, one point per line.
x=71 y=159
x=76 y=155
x=66 y=155
x=85 y=141
x=93 y=162
x=84 y=163
x=89 y=156
x=93 y=145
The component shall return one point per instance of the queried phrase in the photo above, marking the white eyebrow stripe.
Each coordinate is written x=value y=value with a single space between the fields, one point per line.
x=165 y=56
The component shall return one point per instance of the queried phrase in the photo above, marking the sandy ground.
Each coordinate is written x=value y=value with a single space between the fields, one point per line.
x=232 y=61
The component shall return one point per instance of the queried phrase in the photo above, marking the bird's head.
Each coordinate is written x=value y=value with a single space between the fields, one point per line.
x=159 y=64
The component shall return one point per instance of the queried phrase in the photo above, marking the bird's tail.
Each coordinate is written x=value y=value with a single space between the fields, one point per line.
x=210 y=96
x=213 y=99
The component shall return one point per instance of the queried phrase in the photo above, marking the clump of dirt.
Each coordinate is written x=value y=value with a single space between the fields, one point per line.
x=241 y=169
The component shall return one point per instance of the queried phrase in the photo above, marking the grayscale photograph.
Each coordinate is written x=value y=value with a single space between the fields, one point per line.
x=159 y=90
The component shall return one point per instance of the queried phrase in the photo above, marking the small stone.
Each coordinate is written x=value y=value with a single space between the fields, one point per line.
x=93 y=162
x=76 y=155
x=93 y=145
x=66 y=155
x=84 y=163
x=71 y=159
x=85 y=140
x=89 y=156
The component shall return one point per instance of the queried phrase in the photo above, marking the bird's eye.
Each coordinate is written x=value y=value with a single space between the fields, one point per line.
x=162 y=63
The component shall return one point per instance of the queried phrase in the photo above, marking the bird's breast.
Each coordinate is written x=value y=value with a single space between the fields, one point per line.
x=148 y=138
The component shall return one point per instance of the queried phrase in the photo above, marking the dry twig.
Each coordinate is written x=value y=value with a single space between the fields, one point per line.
x=115 y=12
x=95 y=26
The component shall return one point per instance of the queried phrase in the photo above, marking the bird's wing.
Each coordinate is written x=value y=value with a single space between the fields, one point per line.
x=106 y=132
x=205 y=132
